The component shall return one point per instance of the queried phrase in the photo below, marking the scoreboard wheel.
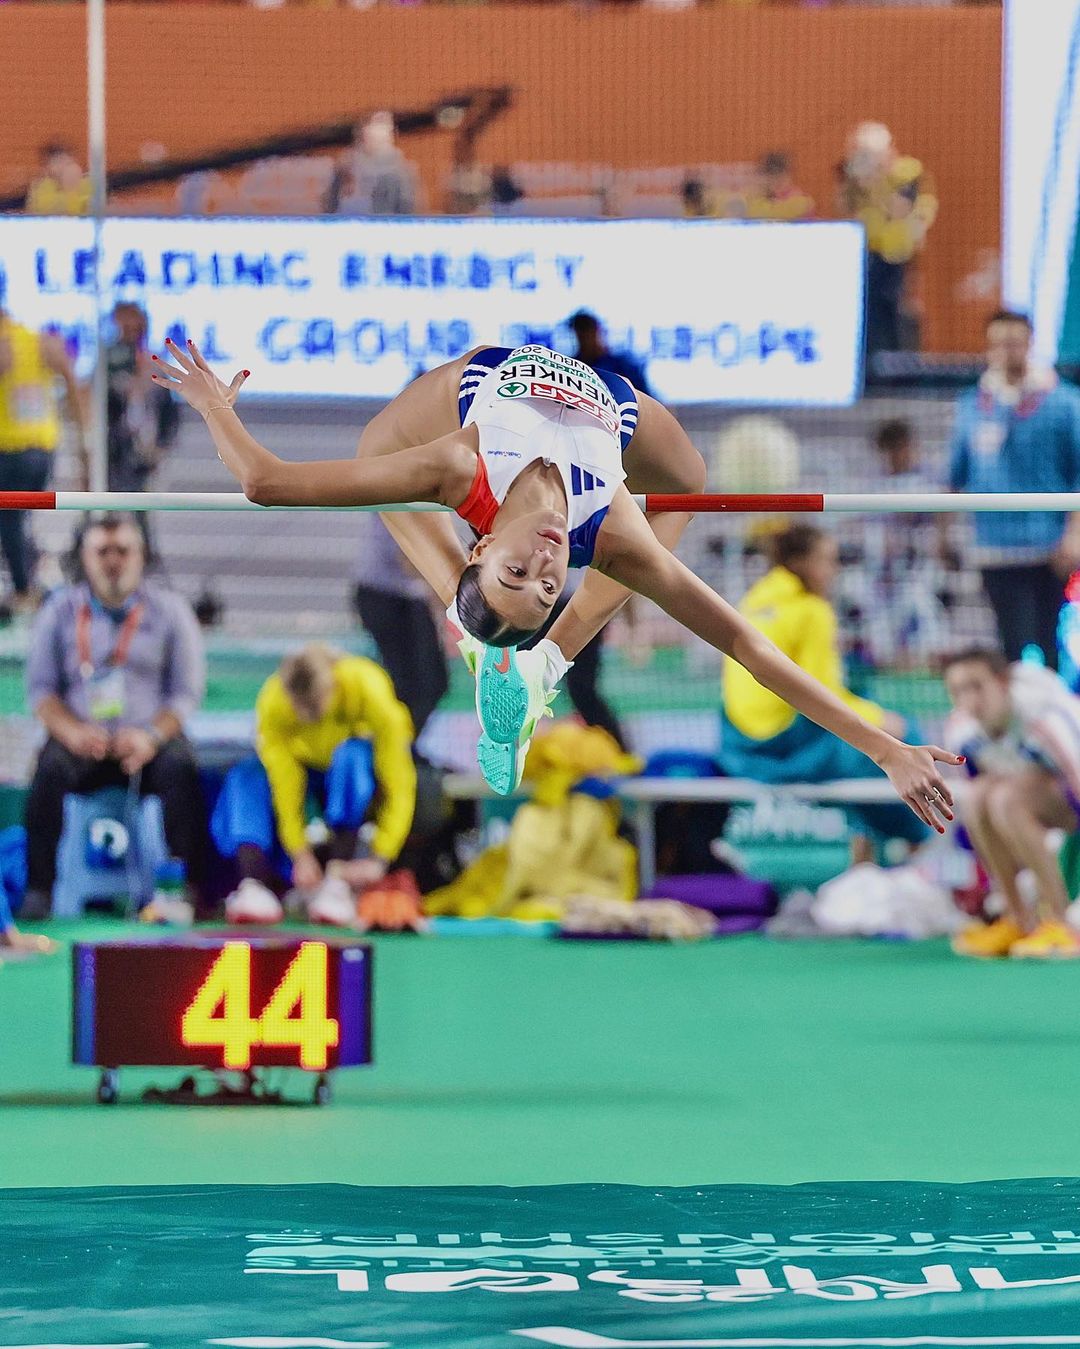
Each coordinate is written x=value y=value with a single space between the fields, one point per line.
x=108 y=1092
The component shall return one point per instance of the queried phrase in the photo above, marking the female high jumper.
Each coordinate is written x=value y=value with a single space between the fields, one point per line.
x=539 y=454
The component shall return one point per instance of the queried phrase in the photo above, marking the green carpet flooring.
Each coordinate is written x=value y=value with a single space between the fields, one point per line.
x=529 y=1062
x=667 y=683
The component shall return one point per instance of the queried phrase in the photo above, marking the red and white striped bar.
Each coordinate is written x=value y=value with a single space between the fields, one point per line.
x=884 y=503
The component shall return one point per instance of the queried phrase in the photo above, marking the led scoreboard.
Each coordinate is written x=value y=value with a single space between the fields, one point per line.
x=220 y=1001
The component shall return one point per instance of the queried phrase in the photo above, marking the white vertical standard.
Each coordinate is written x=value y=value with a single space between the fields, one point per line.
x=95 y=135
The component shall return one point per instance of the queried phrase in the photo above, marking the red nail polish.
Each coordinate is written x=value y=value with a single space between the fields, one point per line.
x=153 y=358
x=962 y=758
x=247 y=373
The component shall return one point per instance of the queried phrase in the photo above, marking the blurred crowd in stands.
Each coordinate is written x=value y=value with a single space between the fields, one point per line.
x=662 y=4
x=890 y=192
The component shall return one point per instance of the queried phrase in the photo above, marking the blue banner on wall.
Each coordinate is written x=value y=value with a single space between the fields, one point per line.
x=716 y=311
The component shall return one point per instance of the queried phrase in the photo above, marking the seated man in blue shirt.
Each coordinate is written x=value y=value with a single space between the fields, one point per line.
x=1018 y=430
x=115 y=668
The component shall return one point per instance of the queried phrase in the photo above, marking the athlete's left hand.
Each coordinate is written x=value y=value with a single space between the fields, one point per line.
x=193 y=379
x=913 y=771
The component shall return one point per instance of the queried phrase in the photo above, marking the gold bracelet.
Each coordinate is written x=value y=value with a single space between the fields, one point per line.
x=218 y=407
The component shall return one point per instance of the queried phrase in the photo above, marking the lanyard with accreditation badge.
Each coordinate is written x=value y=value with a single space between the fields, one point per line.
x=105 y=688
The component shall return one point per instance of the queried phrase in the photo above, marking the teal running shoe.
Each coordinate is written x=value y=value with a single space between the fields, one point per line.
x=511 y=699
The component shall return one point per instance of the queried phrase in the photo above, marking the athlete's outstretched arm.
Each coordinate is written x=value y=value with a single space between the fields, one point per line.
x=640 y=562
x=424 y=410
x=440 y=471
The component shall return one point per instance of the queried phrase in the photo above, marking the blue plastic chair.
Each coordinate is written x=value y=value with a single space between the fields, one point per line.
x=111 y=845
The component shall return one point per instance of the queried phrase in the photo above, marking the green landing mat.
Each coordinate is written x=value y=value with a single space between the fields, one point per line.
x=580 y=1266
x=510 y=1062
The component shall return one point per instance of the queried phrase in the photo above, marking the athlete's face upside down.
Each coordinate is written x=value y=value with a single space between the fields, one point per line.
x=523 y=567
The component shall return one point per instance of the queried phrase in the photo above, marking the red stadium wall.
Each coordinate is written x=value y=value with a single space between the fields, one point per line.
x=628 y=88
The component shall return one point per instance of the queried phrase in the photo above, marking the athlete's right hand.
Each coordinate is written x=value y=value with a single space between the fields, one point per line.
x=913 y=772
x=194 y=381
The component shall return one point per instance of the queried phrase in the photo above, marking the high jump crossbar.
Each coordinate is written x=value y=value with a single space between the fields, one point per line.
x=705 y=503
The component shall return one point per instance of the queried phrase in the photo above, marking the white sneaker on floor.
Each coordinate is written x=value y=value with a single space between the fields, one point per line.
x=253 y=902
x=333 y=903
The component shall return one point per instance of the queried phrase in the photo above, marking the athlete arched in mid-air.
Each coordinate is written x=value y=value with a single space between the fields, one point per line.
x=538 y=453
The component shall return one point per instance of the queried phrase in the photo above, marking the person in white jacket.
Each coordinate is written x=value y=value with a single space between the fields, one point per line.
x=1018 y=727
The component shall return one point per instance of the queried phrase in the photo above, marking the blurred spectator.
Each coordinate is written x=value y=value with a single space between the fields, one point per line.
x=898 y=450
x=468 y=188
x=61 y=187
x=697 y=200
x=775 y=195
x=329 y=726
x=375 y=178
x=592 y=348
x=30 y=364
x=1019 y=431
x=394 y=602
x=505 y=193
x=762 y=737
x=897 y=591
x=115 y=668
x=891 y=195
x=582 y=681
x=1019 y=728
x=142 y=418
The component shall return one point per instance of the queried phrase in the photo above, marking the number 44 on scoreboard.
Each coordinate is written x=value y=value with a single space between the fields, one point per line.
x=219 y=1001
x=220 y=1013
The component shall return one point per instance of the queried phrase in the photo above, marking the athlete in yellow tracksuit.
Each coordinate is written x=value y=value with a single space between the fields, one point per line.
x=763 y=738
x=329 y=725
x=30 y=365
x=803 y=625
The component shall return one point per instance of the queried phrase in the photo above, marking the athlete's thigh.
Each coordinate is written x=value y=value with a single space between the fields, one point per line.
x=661 y=457
x=422 y=412
x=1047 y=798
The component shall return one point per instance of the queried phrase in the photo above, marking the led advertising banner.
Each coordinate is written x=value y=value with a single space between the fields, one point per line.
x=715 y=311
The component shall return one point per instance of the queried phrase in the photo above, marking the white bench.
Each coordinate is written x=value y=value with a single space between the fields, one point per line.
x=643 y=795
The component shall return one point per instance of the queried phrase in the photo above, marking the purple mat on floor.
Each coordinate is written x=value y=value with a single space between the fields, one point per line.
x=731 y=924
x=720 y=894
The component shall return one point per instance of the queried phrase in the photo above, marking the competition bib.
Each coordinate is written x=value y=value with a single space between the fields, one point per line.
x=106 y=690
x=106 y=694
x=533 y=372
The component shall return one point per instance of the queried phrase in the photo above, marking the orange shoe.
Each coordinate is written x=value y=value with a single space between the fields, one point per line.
x=393 y=905
x=1049 y=941
x=988 y=940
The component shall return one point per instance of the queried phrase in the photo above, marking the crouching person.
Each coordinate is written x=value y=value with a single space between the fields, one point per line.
x=1019 y=727
x=327 y=726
